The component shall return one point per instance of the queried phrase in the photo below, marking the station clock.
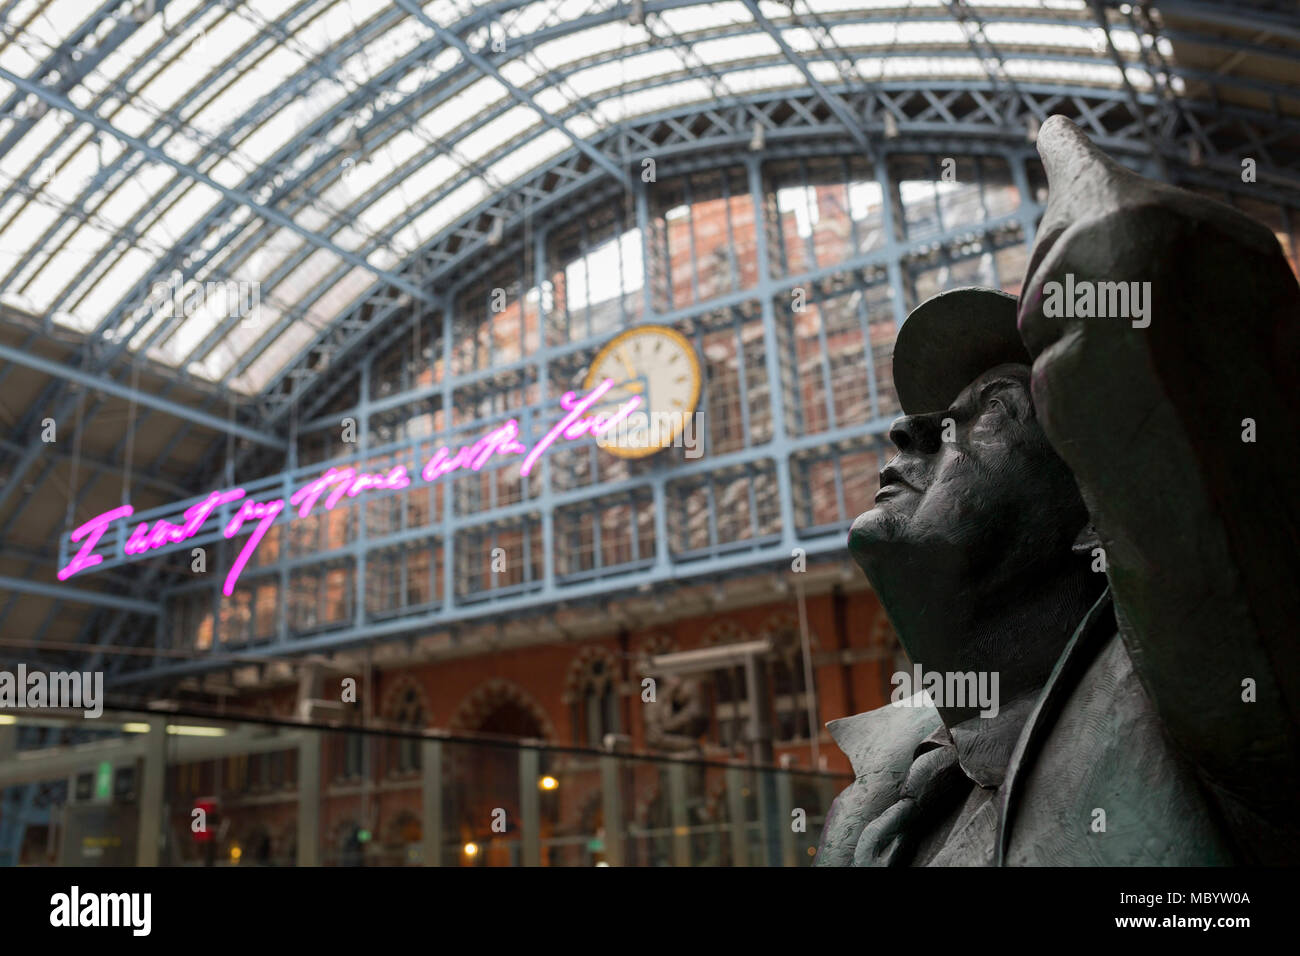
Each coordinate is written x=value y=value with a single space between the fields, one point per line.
x=658 y=364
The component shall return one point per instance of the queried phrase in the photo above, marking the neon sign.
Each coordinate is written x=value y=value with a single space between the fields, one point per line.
x=339 y=483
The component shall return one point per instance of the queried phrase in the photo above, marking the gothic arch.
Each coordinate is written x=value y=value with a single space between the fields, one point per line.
x=399 y=691
x=403 y=707
x=592 y=694
x=495 y=693
x=343 y=848
x=256 y=842
x=660 y=642
x=403 y=831
x=725 y=632
x=780 y=626
x=341 y=829
x=580 y=670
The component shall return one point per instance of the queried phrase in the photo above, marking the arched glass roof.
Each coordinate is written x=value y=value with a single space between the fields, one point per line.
x=313 y=146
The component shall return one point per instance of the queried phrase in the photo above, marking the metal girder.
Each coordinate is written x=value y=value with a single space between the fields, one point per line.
x=836 y=105
x=972 y=27
x=533 y=597
x=90 y=357
x=61 y=592
x=517 y=605
x=262 y=180
x=99 y=383
x=406 y=451
x=101 y=360
x=487 y=69
x=168 y=122
x=696 y=67
x=432 y=258
x=492 y=206
x=1235 y=15
x=77 y=208
x=221 y=211
x=432 y=264
x=71 y=70
x=1099 y=11
x=60 y=101
x=103 y=467
x=72 y=62
x=602 y=17
x=477 y=17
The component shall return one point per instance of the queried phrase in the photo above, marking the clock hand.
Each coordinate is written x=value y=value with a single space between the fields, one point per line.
x=622 y=357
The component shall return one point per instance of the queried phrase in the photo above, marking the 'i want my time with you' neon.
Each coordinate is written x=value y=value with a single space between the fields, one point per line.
x=339 y=483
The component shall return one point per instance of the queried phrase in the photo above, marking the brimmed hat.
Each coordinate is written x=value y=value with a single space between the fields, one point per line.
x=948 y=341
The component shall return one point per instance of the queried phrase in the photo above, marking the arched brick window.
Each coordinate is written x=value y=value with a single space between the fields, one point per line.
x=591 y=692
x=405 y=708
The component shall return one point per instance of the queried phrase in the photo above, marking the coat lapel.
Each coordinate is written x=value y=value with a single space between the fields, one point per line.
x=880 y=745
x=1097 y=626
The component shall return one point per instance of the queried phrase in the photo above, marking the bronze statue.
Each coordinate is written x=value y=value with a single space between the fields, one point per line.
x=1096 y=496
x=677 y=722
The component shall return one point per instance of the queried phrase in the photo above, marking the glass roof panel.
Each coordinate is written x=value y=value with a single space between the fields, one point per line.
x=704 y=16
x=229 y=91
x=282 y=350
x=516 y=164
x=65 y=265
x=19 y=58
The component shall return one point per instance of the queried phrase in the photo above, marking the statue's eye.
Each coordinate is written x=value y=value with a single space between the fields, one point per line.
x=997 y=403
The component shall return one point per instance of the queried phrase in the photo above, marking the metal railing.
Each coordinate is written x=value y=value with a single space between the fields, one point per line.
x=180 y=789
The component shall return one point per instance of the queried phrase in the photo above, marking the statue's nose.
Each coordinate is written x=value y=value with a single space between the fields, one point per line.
x=915 y=433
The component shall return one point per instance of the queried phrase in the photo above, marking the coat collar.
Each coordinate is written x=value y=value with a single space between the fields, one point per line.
x=985 y=744
x=876 y=738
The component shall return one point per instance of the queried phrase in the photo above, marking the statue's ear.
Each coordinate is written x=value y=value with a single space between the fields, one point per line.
x=1086 y=541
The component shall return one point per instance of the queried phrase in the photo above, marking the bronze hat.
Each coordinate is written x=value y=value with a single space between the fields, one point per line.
x=948 y=341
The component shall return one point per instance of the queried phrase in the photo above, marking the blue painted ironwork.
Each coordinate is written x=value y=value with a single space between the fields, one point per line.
x=949 y=117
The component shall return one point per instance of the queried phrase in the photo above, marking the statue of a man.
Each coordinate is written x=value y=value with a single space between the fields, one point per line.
x=1096 y=497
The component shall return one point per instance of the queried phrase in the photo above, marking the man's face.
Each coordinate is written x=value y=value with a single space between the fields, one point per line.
x=975 y=494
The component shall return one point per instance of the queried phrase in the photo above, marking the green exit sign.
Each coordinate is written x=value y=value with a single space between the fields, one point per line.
x=104 y=781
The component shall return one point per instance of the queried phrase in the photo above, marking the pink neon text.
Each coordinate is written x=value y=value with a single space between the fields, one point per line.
x=142 y=539
x=577 y=423
x=348 y=483
x=95 y=528
x=265 y=515
x=340 y=483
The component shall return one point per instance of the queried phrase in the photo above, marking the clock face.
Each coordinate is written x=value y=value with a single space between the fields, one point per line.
x=658 y=364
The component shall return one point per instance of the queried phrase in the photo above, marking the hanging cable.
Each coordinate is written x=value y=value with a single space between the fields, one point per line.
x=129 y=458
x=70 y=521
x=230 y=441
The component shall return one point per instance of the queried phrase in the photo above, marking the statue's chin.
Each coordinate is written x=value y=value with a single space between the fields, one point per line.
x=871 y=531
x=881 y=523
